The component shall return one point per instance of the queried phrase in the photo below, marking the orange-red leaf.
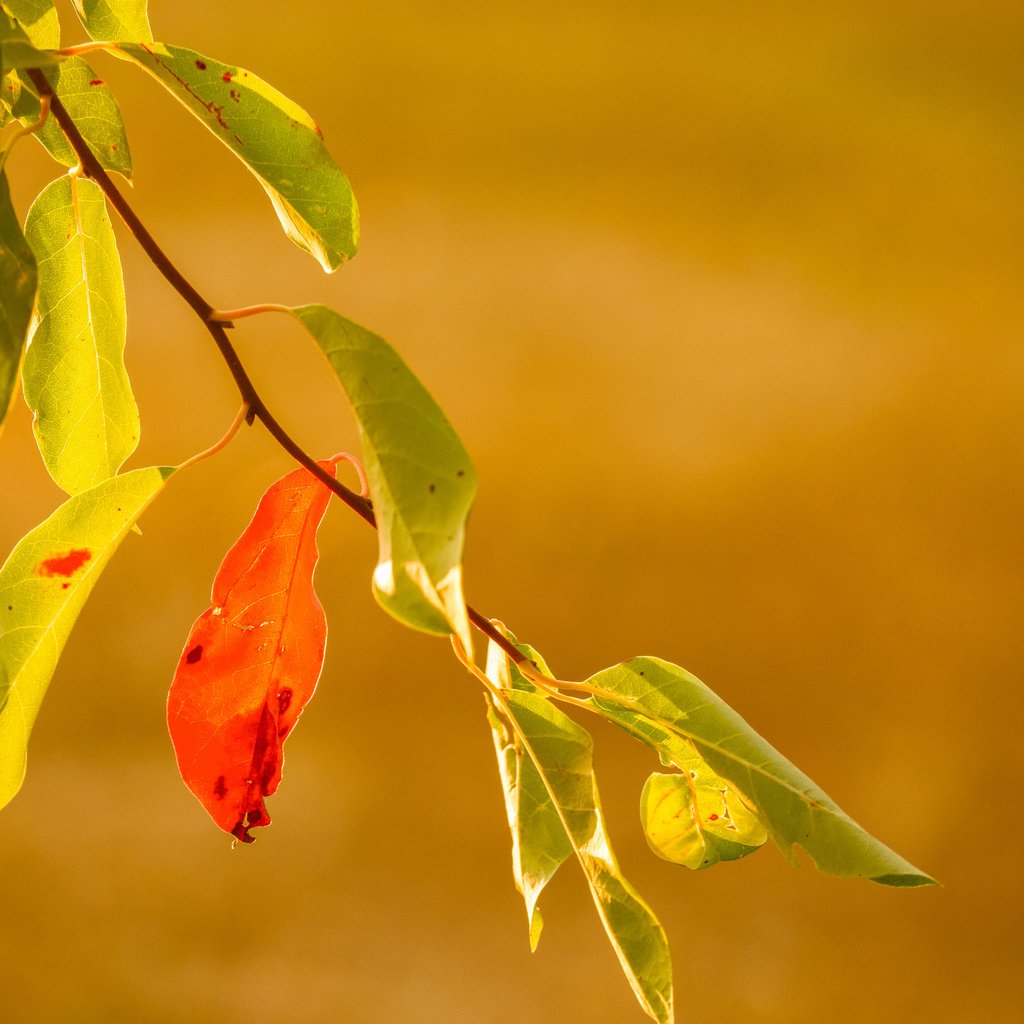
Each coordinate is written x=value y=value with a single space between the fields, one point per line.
x=253 y=658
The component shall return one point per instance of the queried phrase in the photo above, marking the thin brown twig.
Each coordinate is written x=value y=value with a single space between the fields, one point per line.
x=218 y=328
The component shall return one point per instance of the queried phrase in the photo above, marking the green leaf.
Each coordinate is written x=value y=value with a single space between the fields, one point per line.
x=17 y=49
x=93 y=108
x=123 y=20
x=695 y=818
x=647 y=693
x=86 y=421
x=539 y=842
x=421 y=480
x=38 y=19
x=43 y=586
x=562 y=755
x=274 y=137
x=17 y=295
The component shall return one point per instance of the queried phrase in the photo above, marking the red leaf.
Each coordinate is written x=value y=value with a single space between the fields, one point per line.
x=252 y=659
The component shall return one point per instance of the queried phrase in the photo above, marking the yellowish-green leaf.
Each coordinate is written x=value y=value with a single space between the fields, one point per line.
x=93 y=108
x=421 y=480
x=123 y=20
x=647 y=694
x=17 y=295
x=74 y=380
x=274 y=137
x=693 y=817
x=43 y=586
x=562 y=754
x=539 y=841
x=38 y=19
x=17 y=48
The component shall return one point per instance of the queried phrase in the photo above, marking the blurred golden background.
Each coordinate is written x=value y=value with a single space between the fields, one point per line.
x=724 y=299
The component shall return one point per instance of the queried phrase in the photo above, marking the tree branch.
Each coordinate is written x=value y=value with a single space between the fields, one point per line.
x=217 y=328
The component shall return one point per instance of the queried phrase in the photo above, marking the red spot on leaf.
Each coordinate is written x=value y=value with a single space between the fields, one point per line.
x=226 y=77
x=712 y=817
x=253 y=658
x=96 y=81
x=64 y=565
x=201 y=64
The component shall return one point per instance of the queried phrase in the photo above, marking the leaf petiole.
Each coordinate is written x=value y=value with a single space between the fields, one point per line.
x=28 y=129
x=218 y=446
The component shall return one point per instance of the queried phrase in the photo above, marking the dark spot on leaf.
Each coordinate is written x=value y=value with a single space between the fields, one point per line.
x=195 y=654
x=201 y=65
x=226 y=77
x=284 y=700
x=220 y=787
x=240 y=833
x=267 y=773
x=460 y=472
x=96 y=81
x=236 y=96
x=431 y=488
x=10 y=607
x=254 y=817
x=64 y=565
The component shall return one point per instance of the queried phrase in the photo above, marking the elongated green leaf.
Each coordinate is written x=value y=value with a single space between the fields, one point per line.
x=38 y=19
x=43 y=586
x=124 y=20
x=274 y=137
x=17 y=49
x=17 y=295
x=792 y=808
x=562 y=754
x=539 y=842
x=92 y=106
x=421 y=480
x=86 y=421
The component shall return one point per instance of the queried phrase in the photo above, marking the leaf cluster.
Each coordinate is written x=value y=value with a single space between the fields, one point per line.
x=717 y=790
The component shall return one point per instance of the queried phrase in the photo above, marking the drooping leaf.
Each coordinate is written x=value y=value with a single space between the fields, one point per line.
x=421 y=480
x=539 y=841
x=43 y=586
x=274 y=137
x=92 y=106
x=17 y=295
x=253 y=658
x=790 y=806
x=38 y=19
x=86 y=422
x=123 y=20
x=562 y=754
x=17 y=49
x=695 y=818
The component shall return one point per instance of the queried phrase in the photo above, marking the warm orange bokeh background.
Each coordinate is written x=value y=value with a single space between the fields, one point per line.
x=724 y=300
